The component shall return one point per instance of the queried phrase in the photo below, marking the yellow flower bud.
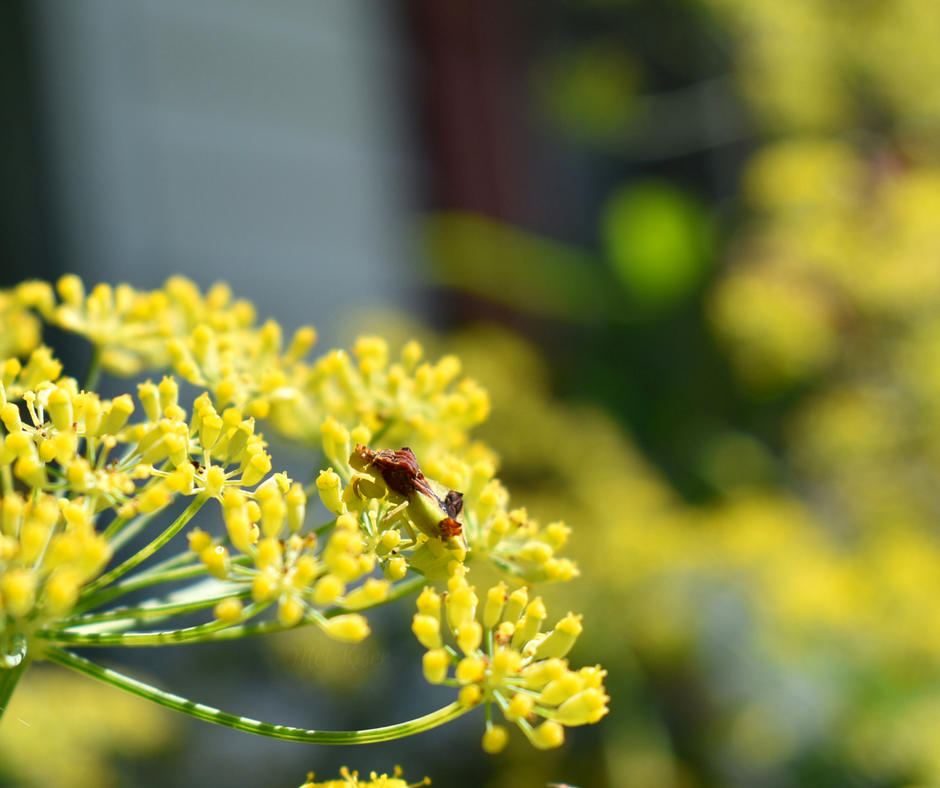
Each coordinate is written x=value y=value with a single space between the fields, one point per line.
x=65 y=445
x=149 y=396
x=471 y=670
x=229 y=610
x=47 y=451
x=11 y=514
x=562 y=688
x=469 y=635
x=241 y=433
x=199 y=540
x=120 y=411
x=535 y=551
x=209 y=430
x=528 y=626
x=216 y=561
x=290 y=610
x=18 y=586
x=561 y=639
x=265 y=586
x=495 y=601
x=273 y=512
x=429 y=602
x=154 y=497
x=60 y=591
x=506 y=662
x=390 y=539
x=470 y=696
x=396 y=568
x=585 y=708
x=59 y=406
x=328 y=589
x=296 y=507
x=539 y=674
x=329 y=483
x=305 y=571
x=428 y=631
x=520 y=707
x=169 y=393
x=461 y=605
x=256 y=469
x=517 y=602
x=351 y=628
x=29 y=469
x=270 y=554
x=370 y=593
x=10 y=416
x=435 y=663
x=215 y=479
x=547 y=736
x=495 y=739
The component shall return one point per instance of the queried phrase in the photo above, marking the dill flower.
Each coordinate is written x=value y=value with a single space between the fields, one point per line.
x=351 y=780
x=503 y=658
x=20 y=329
x=82 y=476
x=131 y=329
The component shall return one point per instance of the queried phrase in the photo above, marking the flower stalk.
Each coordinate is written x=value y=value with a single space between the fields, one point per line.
x=412 y=500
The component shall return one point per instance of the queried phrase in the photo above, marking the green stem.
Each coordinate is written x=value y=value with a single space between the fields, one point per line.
x=267 y=627
x=136 y=583
x=117 y=530
x=93 y=372
x=172 y=569
x=9 y=678
x=186 y=635
x=151 y=610
x=209 y=714
x=144 y=553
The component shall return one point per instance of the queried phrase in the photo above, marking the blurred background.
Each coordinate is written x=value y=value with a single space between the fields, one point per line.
x=693 y=249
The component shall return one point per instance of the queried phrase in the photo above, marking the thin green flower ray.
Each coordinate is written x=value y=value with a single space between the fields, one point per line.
x=144 y=553
x=398 y=591
x=167 y=637
x=176 y=568
x=152 y=610
x=283 y=732
x=121 y=531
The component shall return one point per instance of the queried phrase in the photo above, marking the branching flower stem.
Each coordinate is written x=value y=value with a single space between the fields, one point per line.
x=8 y=680
x=284 y=732
x=144 y=553
x=185 y=635
x=398 y=591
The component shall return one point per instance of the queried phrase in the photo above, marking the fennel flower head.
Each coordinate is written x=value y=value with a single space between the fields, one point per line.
x=410 y=498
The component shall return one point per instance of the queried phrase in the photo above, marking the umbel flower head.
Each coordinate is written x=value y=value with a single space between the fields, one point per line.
x=351 y=780
x=409 y=498
x=503 y=658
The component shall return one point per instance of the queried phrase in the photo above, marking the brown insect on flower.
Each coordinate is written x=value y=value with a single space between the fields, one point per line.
x=433 y=514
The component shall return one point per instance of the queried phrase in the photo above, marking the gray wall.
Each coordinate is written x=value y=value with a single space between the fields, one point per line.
x=263 y=143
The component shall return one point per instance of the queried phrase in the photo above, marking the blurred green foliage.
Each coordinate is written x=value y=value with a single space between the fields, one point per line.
x=778 y=628
x=659 y=241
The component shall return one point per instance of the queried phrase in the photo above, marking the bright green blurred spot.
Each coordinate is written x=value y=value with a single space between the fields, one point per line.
x=659 y=241
x=496 y=261
x=590 y=93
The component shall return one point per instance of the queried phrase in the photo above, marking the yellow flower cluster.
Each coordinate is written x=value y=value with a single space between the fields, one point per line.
x=48 y=550
x=509 y=540
x=505 y=658
x=351 y=780
x=133 y=329
x=20 y=329
x=82 y=476
x=807 y=74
